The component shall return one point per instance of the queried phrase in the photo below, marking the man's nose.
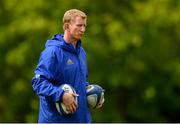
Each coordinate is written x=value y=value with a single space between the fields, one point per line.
x=83 y=29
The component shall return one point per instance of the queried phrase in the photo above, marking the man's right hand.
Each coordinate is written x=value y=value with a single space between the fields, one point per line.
x=69 y=101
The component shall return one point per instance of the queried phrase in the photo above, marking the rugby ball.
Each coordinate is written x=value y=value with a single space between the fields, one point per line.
x=60 y=107
x=95 y=95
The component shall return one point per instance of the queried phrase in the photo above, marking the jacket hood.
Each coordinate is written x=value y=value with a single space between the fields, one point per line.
x=58 y=41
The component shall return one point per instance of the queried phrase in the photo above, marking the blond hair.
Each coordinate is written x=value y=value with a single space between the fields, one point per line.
x=71 y=14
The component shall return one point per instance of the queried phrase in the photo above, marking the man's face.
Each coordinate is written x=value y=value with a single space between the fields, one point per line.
x=77 y=28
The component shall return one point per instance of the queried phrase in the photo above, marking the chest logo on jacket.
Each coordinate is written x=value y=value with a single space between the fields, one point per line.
x=69 y=62
x=83 y=61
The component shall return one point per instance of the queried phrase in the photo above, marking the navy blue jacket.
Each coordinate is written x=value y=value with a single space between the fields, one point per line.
x=61 y=63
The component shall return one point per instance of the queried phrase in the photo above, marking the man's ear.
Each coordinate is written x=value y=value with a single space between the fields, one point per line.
x=66 y=26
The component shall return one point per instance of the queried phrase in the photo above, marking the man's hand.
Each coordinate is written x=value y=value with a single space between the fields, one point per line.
x=69 y=101
x=101 y=103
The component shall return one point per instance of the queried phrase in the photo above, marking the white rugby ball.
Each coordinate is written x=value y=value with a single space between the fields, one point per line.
x=95 y=95
x=61 y=108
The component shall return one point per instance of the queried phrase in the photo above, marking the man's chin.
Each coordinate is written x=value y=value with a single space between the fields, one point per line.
x=78 y=38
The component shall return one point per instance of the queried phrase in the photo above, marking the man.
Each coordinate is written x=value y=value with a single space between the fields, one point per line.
x=63 y=61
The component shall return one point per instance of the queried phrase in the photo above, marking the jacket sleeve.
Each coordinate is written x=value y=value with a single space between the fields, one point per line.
x=45 y=75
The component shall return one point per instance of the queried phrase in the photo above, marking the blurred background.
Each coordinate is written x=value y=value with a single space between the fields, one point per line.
x=132 y=48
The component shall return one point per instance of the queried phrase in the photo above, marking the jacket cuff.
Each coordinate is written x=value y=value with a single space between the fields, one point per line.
x=58 y=96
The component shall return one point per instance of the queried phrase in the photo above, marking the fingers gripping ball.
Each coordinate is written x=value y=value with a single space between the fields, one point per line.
x=61 y=108
x=95 y=95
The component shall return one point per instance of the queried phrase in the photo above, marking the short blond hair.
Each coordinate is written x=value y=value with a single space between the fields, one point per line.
x=71 y=14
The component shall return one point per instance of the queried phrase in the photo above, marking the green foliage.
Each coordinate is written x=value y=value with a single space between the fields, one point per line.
x=132 y=49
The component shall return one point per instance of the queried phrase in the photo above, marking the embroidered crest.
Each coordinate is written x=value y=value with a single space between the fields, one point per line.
x=69 y=62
